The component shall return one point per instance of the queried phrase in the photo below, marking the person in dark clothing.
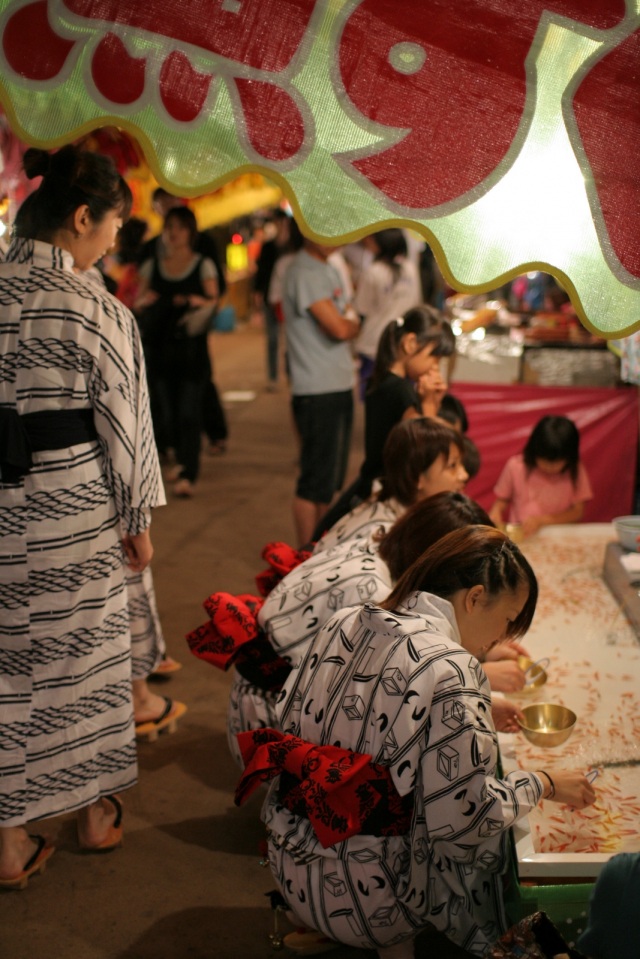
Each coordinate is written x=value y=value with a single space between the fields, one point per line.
x=272 y=250
x=214 y=421
x=406 y=382
x=178 y=294
x=163 y=202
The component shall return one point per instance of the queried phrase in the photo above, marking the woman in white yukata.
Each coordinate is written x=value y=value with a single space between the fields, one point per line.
x=422 y=456
x=296 y=609
x=386 y=813
x=78 y=464
x=364 y=570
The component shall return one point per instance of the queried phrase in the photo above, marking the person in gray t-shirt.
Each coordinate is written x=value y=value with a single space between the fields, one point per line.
x=318 y=325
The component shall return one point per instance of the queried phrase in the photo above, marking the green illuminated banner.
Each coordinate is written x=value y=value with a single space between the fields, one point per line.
x=508 y=134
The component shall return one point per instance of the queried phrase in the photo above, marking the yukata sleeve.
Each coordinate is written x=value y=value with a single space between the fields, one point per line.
x=288 y=615
x=120 y=399
x=465 y=804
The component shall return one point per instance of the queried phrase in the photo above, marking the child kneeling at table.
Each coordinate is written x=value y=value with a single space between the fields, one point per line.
x=546 y=484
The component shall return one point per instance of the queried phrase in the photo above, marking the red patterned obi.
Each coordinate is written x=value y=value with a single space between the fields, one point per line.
x=340 y=792
x=232 y=637
x=281 y=559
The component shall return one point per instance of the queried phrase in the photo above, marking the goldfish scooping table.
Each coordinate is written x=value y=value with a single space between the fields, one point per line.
x=594 y=669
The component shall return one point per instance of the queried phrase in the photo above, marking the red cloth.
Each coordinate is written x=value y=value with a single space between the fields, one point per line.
x=501 y=418
x=232 y=636
x=282 y=559
x=340 y=792
x=232 y=624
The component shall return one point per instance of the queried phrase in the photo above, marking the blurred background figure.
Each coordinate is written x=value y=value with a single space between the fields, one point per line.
x=214 y=421
x=285 y=241
x=178 y=293
x=123 y=265
x=387 y=288
x=319 y=324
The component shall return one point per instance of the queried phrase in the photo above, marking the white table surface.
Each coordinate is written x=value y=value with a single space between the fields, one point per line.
x=595 y=671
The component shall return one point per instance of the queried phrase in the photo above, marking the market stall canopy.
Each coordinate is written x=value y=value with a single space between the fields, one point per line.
x=507 y=134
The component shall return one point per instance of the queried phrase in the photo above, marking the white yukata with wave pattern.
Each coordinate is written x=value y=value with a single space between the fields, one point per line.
x=66 y=716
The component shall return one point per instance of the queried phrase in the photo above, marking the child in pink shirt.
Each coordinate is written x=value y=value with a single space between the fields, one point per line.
x=546 y=483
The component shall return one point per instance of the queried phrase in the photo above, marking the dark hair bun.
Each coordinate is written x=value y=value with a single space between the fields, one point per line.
x=36 y=162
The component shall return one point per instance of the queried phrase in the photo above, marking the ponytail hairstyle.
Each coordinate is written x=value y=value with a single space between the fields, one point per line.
x=71 y=178
x=411 y=447
x=428 y=325
x=554 y=438
x=475 y=555
x=423 y=525
x=392 y=248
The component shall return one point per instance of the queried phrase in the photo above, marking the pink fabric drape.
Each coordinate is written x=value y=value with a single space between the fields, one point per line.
x=501 y=418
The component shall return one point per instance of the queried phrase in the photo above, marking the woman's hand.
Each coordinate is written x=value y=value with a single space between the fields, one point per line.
x=497 y=511
x=569 y=787
x=148 y=298
x=510 y=650
x=506 y=716
x=430 y=389
x=532 y=524
x=192 y=300
x=138 y=549
x=505 y=676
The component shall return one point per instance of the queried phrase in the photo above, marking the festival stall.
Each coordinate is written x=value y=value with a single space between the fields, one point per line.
x=507 y=135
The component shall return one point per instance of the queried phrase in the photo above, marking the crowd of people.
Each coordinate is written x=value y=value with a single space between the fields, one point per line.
x=366 y=673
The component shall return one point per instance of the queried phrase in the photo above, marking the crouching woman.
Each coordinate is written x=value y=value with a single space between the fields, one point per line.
x=386 y=812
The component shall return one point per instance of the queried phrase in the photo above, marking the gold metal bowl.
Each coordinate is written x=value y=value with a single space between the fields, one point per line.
x=547 y=724
x=535 y=678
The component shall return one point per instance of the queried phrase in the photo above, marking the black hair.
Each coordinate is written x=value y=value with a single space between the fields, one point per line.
x=130 y=240
x=296 y=238
x=474 y=555
x=452 y=410
x=428 y=325
x=161 y=194
x=186 y=218
x=411 y=447
x=554 y=438
x=471 y=459
x=391 y=245
x=71 y=178
x=423 y=525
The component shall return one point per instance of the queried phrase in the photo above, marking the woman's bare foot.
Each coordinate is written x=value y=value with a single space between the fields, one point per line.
x=147 y=706
x=16 y=849
x=99 y=824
